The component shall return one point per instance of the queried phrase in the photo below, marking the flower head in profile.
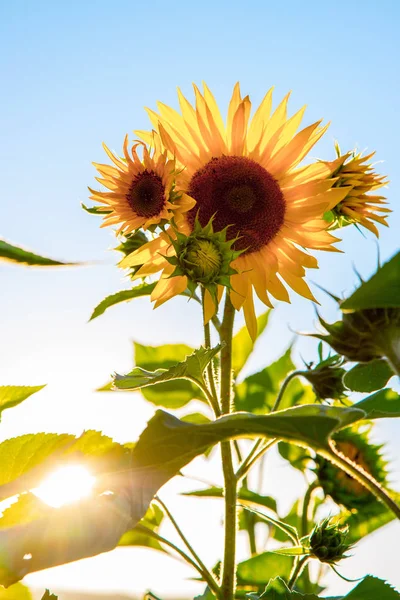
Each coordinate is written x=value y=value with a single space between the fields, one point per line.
x=342 y=488
x=140 y=191
x=246 y=176
x=360 y=205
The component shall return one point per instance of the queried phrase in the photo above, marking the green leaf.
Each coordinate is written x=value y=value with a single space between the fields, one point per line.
x=16 y=592
x=48 y=596
x=196 y=418
x=245 y=495
x=259 y=569
x=368 y=377
x=292 y=551
x=95 y=210
x=381 y=291
x=97 y=524
x=381 y=405
x=191 y=368
x=298 y=457
x=11 y=253
x=11 y=395
x=258 y=392
x=372 y=588
x=365 y=521
x=28 y=458
x=289 y=530
x=137 y=537
x=138 y=291
x=243 y=345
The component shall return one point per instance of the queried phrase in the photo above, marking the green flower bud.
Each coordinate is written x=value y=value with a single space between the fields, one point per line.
x=328 y=541
x=326 y=378
x=204 y=257
x=341 y=487
x=364 y=335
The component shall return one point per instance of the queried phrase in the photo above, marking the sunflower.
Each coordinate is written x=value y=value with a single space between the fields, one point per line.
x=245 y=176
x=141 y=192
x=342 y=488
x=359 y=206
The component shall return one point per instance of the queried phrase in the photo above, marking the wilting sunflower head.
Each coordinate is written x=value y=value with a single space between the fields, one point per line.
x=245 y=175
x=342 y=488
x=326 y=378
x=364 y=335
x=361 y=206
x=140 y=192
x=328 y=541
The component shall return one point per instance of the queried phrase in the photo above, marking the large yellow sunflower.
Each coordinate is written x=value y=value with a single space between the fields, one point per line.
x=359 y=205
x=246 y=176
x=141 y=191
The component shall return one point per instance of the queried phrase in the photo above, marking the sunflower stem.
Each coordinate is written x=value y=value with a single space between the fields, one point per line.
x=288 y=379
x=349 y=467
x=297 y=571
x=307 y=507
x=212 y=395
x=228 y=580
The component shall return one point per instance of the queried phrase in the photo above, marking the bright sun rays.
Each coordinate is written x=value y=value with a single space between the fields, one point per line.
x=66 y=485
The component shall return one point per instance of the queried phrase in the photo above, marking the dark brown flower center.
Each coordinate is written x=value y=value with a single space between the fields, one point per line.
x=241 y=194
x=146 y=195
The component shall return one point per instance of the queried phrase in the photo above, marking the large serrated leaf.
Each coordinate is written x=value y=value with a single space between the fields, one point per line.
x=368 y=377
x=15 y=254
x=139 y=291
x=367 y=520
x=259 y=569
x=372 y=588
x=381 y=291
x=11 y=395
x=381 y=405
x=96 y=525
x=191 y=368
x=243 y=345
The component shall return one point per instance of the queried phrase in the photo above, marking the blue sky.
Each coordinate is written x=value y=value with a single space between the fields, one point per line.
x=78 y=73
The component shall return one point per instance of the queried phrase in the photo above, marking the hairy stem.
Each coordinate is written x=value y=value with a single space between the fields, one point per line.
x=212 y=392
x=286 y=382
x=352 y=469
x=297 y=571
x=183 y=537
x=212 y=584
x=228 y=581
x=306 y=509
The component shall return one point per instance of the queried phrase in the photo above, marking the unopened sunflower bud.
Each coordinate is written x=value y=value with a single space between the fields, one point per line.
x=326 y=378
x=341 y=487
x=204 y=257
x=364 y=335
x=328 y=541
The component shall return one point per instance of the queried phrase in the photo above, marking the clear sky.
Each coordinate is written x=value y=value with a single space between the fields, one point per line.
x=75 y=74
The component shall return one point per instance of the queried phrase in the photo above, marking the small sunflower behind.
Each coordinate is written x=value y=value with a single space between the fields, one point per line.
x=141 y=192
x=360 y=206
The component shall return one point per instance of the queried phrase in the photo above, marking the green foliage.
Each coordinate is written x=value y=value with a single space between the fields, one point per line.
x=11 y=395
x=298 y=457
x=15 y=254
x=367 y=520
x=138 y=537
x=257 y=393
x=244 y=495
x=192 y=369
x=382 y=290
x=368 y=377
x=16 y=592
x=138 y=291
x=381 y=405
x=259 y=569
x=243 y=345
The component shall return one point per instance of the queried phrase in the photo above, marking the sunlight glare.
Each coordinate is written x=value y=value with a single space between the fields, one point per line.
x=66 y=485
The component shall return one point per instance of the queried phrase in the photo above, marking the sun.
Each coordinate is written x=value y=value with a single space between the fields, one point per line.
x=65 y=486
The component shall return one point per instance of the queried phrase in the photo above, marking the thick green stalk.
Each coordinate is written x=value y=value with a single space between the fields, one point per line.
x=211 y=390
x=297 y=571
x=228 y=581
